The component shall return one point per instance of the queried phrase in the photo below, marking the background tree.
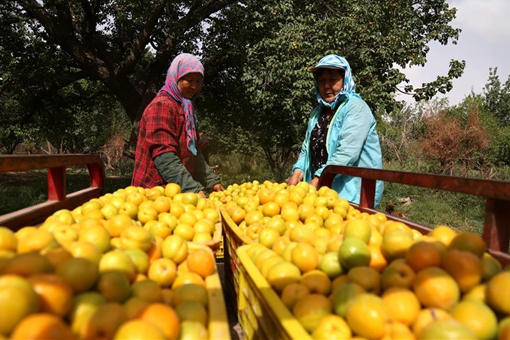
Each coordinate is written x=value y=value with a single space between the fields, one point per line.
x=257 y=56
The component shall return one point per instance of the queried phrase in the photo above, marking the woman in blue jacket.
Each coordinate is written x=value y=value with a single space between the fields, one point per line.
x=341 y=131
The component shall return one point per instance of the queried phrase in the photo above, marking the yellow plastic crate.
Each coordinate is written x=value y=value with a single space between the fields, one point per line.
x=261 y=312
x=233 y=239
x=218 y=326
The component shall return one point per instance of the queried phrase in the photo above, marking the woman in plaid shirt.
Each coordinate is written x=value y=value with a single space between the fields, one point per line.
x=166 y=150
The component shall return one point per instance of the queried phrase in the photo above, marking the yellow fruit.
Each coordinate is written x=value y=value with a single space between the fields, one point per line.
x=476 y=316
x=366 y=315
x=476 y=293
x=402 y=305
x=282 y=274
x=358 y=228
x=332 y=327
x=434 y=287
x=317 y=282
x=498 y=292
x=139 y=329
x=444 y=234
x=310 y=309
x=17 y=300
x=396 y=243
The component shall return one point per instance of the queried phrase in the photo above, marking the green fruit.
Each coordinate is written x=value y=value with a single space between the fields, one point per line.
x=353 y=252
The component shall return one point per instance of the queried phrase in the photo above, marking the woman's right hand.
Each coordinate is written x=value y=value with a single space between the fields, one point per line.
x=296 y=177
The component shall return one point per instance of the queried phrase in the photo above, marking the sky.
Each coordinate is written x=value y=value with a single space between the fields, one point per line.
x=483 y=43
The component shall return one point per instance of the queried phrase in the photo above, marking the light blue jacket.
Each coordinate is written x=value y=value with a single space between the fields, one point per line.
x=352 y=140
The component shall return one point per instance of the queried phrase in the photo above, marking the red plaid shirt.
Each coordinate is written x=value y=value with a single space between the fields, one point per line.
x=162 y=129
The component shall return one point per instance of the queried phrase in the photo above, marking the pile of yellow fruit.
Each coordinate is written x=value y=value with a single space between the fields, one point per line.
x=345 y=273
x=127 y=265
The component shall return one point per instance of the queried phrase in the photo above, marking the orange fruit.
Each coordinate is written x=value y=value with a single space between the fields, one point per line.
x=423 y=254
x=476 y=316
x=434 y=287
x=41 y=326
x=202 y=262
x=301 y=233
x=55 y=293
x=310 y=309
x=305 y=257
x=464 y=266
x=468 y=241
x=163 y=317
x=498 y=292
x=377 y=259
x=402 y=305
x=270 y=209
x=292 y=293
x=367 y=316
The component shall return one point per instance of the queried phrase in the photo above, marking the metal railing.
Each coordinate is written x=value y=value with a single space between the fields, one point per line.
x=58 y=198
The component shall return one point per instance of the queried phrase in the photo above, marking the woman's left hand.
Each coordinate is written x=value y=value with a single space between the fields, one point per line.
x=315 y=182
x=218 y=187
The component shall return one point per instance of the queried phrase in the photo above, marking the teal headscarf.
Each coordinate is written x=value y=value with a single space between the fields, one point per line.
x=333 y=61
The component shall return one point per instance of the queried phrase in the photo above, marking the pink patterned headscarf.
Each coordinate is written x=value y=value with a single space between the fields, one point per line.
x=183 y=64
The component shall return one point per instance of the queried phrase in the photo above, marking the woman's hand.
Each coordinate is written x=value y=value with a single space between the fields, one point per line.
x=296 y=177
x=218 y=187
x=315 y=182
x=201 y=193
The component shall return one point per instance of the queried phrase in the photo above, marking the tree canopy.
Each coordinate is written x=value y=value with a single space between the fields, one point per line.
x=257 y=55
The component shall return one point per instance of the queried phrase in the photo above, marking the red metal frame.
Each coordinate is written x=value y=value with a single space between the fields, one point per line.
x=496 y=231
x=57 y=196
